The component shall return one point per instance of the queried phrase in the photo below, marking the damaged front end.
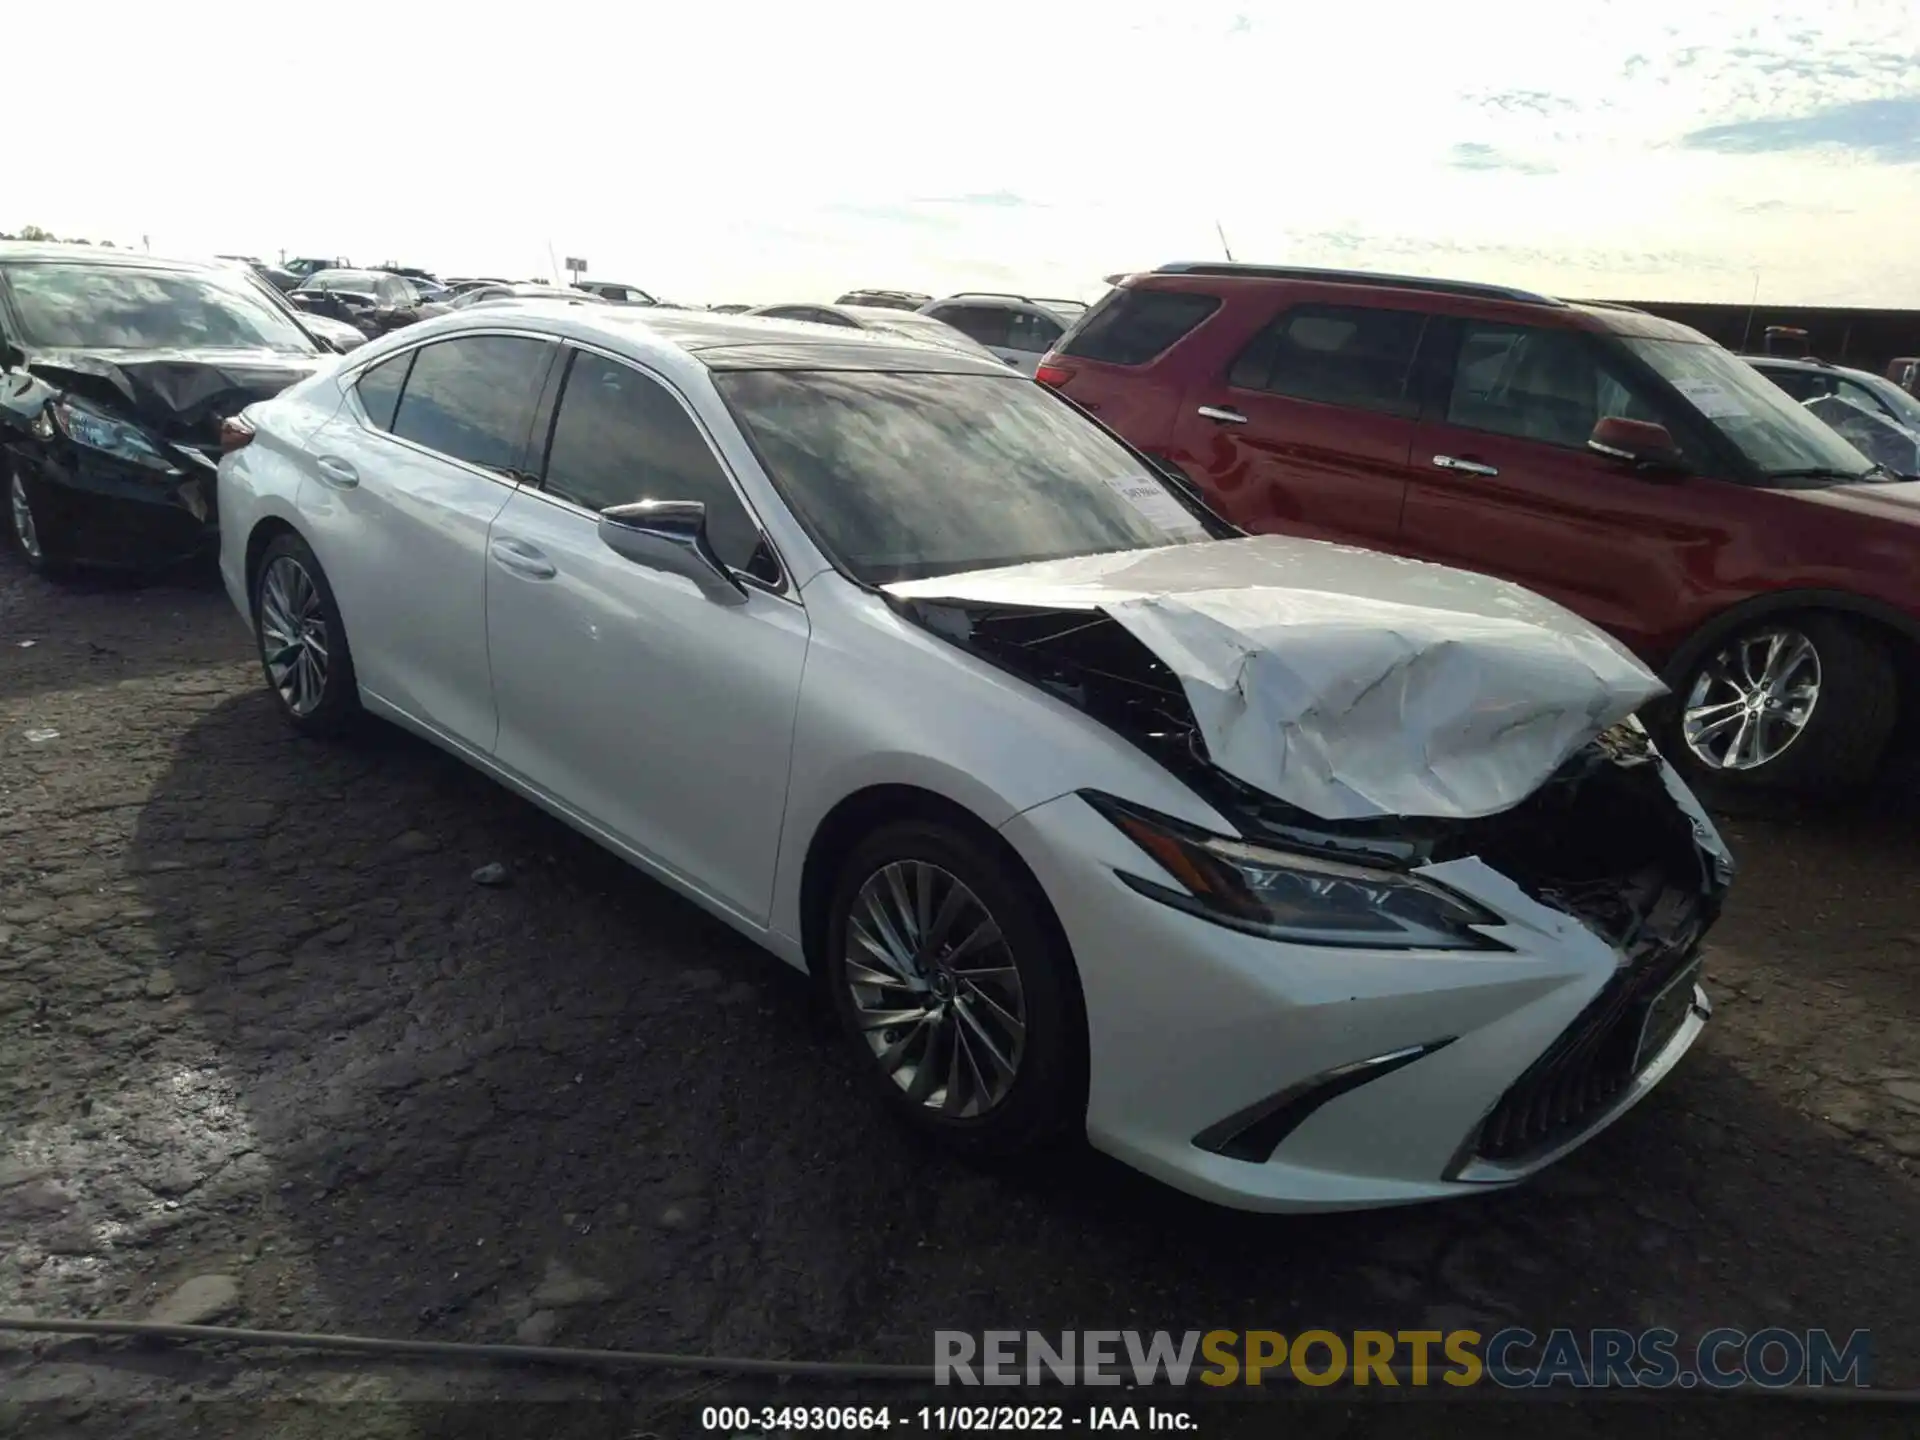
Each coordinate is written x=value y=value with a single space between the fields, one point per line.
x=1611 y=840
x=119 y=451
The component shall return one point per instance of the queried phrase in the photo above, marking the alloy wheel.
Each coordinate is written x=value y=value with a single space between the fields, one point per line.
x=936 y=993
x=1752 y=700
x=24 y=528
x=293 y=635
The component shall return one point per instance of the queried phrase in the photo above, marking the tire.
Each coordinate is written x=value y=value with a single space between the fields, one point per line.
x=294 y=610
x=34 y=539
x=1046 y=1094
x=1846 y=727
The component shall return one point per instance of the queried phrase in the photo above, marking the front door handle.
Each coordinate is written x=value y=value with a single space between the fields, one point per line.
x=337 y=472
x=522 y=559
x=1220 y=416
x=1467 y=467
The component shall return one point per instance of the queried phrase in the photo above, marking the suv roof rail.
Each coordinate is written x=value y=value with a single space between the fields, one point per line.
x=989 y=295
x=1358 y=277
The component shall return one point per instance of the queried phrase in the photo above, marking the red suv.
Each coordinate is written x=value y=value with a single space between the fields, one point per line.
x=1623 y=465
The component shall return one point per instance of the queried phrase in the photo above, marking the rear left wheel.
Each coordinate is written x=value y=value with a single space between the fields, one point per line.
x=303 y=645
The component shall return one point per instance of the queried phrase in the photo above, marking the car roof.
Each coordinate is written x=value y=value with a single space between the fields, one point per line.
x=719 y=342
x=1492 y=301
x=20 y=251
x=988 y=300
x=1811 y=366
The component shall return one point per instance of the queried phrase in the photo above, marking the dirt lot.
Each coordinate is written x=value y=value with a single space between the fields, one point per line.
x=258 y=1022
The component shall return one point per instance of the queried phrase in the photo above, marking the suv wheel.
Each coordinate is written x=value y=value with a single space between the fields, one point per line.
x=956 y=996
x=1802 y=702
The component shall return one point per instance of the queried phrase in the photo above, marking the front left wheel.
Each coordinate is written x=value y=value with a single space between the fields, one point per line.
x=303 y=644
x=33 y=534
x=955 y=990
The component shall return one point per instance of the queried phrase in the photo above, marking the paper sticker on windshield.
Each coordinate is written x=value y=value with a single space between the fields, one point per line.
x=1713 y=399
x=1156 y=504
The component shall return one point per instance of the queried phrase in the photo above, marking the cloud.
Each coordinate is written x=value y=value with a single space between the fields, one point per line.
x=1887 y=131
x=1529 y=102
x=991 y=199
x=1384 y=250
x=1786 y=207
x=1471 y=155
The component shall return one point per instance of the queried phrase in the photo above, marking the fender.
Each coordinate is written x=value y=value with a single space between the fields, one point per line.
x=1777 y=602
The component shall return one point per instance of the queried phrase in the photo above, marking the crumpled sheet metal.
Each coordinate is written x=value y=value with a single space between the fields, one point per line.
x=172 y=390
x=1349 y=683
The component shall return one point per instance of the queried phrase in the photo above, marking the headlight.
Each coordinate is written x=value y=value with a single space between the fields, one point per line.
x=97 y=430
x=1287 y=895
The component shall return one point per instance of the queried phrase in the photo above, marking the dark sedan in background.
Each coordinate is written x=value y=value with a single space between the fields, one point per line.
x=116 y=372
x=372 y=301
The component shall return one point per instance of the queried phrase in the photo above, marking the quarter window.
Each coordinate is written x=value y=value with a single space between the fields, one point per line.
x=379 y=388
x=1130 y=327
x=1035 y=333
x=621 y=437
x=1337 y=355
x=1536 y=384
x=473 y=398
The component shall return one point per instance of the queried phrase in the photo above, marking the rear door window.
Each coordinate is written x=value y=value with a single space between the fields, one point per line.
x=1801 y=384
x=1131 y=327
x=1354 y=356
x=473 y=398
x=982 y=324
x=1033 y=333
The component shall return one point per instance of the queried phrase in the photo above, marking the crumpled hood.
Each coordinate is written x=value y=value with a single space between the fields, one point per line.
x=1349 y=683
x=178 y=392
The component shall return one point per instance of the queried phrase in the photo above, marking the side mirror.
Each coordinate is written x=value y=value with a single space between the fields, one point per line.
x=671 y=536
x=1639 y=443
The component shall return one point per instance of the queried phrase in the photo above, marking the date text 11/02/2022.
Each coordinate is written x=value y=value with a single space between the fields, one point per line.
x=746 y=1420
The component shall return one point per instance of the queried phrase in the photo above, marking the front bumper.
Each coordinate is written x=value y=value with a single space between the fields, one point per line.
x=95 y=510
x=1195 y=1029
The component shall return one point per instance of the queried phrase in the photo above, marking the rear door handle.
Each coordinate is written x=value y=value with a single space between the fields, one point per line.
x=337 y=472
x=1222 y=417
x=522 y=559
x=1467 y=467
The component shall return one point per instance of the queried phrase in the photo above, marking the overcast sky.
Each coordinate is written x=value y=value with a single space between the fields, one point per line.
x=1628 y=149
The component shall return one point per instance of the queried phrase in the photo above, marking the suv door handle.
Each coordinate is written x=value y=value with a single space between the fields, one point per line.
x=522 y=559
x=1469 y=467
x=1222 y=417
x=337 y=472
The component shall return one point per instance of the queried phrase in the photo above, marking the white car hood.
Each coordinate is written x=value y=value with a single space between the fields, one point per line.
x=1349 y=683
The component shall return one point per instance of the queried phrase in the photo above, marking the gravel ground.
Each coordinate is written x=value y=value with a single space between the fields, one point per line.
x=260 y=1031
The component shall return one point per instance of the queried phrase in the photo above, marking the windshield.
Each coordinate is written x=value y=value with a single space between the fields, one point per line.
x=109 y=307
x=1905 y=408
x=1767 y=425
x=902 y=477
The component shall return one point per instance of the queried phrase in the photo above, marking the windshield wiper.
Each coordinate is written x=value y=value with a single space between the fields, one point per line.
x=1828 y=472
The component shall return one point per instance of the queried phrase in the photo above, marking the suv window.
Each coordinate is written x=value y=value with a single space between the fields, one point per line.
x=620 y=437
x=1538 y=384
x=1801 y=384
x=1338 y=355
x=1130 y=327
x=1027 y=331
x=379 y=388
x=472 y=398
x=982 y=324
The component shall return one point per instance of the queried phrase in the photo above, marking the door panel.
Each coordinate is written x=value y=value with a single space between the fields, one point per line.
x=405 y=548
x=1309 y=430
x=633 y=698
x=1635 y=552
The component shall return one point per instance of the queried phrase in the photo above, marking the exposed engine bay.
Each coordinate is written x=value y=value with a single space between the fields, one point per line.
x=1606 y=839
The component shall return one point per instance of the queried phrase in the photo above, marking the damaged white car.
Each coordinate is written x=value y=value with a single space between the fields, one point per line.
x=1298 y=876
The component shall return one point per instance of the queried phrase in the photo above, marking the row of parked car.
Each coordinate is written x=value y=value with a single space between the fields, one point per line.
x=1743 y=524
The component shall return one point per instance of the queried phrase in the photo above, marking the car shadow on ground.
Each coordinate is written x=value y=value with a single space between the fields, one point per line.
x=575 y=1108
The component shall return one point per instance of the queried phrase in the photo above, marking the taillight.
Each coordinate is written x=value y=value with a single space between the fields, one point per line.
x=1052 y=372
x=235 y=433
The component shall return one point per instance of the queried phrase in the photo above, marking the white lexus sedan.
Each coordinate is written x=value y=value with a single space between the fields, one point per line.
x=1298 y=876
